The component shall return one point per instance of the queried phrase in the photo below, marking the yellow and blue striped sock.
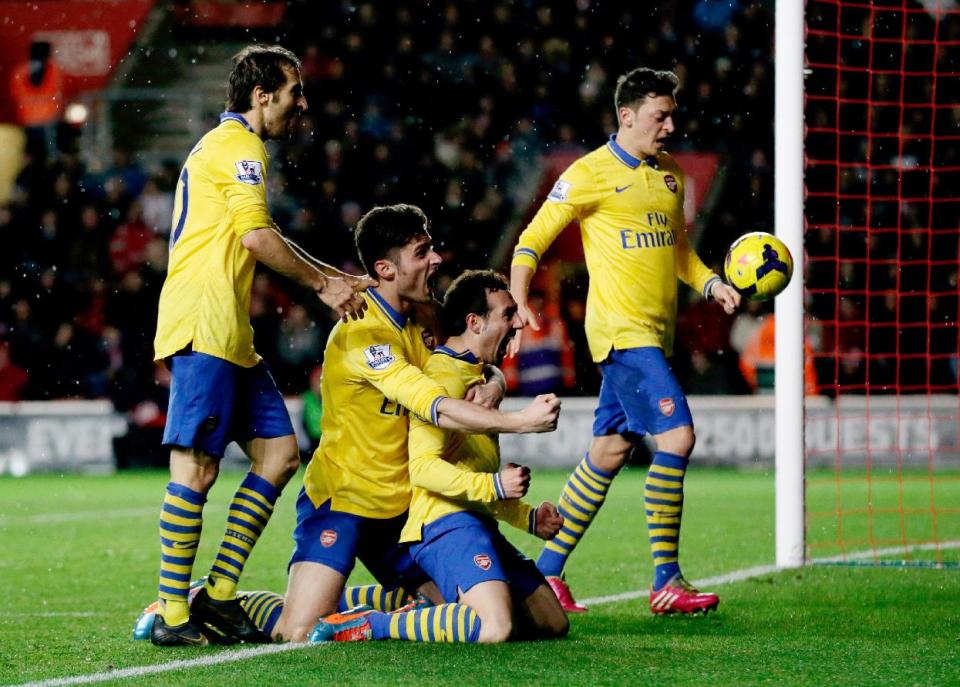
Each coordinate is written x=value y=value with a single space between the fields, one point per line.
x=663 y=500
x=581 y=498
x=263 y=608
x=249 y=513
x=181 y=519
x=444 y=623
x=374 y=595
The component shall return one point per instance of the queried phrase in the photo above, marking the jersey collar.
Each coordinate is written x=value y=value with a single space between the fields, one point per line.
x=227 y=116
x=398 y=319
x=467 y=356
x=625 y=157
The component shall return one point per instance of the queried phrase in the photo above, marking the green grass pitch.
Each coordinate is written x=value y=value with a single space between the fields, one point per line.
x=79 y=561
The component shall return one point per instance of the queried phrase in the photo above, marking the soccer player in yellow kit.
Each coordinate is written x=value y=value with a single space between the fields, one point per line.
x=456 y=498
x=221 y=391
x=628 y=197
x=357 y=486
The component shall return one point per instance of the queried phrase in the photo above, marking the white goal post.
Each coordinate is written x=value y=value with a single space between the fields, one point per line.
x=789 y=222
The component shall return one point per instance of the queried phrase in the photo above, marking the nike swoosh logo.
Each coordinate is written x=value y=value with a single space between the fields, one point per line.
x=621 y=190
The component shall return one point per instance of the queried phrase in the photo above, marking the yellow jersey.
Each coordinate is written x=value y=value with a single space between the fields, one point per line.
x=372 y=381
x=452 y=471
x=221 y=195
x=634 y=241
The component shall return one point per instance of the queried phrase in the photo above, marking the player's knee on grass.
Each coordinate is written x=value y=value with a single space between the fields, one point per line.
x=678 y=441
x=496 y=628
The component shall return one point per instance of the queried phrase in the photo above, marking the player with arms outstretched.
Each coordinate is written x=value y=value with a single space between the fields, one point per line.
x=357 y=486
x=628 y=197
x=457 y=495
x=221 y=391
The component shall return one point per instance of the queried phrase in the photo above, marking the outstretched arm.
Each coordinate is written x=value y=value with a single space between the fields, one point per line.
x=269 y=247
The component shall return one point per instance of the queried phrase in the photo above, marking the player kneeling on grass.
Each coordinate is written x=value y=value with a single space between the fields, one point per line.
x=457 y=498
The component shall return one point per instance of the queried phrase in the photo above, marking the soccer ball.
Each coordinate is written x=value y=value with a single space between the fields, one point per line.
x=758 y=265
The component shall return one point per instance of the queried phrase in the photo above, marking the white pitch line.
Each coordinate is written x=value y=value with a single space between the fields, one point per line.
x=728 y=578
x=51 y=614
x=139 y=671
x=55 y=518
x=253 y=652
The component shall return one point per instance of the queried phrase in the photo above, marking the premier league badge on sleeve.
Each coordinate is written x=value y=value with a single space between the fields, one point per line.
x=250 y=172
x=378 y=356
x=560 y=190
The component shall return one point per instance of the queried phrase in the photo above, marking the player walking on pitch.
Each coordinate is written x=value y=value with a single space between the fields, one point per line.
x=221 y=391
x=357 y=486
x=628 y=197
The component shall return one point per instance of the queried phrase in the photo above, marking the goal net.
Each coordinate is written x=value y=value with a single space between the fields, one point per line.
x=882 y=207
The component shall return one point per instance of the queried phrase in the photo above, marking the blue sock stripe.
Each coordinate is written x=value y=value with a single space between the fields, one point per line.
x=567 y=515
x=237 y=508
x=661 y=502
x=180 y=529
x=669 y=460
x=670 y=538
x=595 y=496
x=665 y=477
x=176 y=577
x=255 y=482
x=402 y=628
x=562 y=544
x=186 y=493
x=181 y=513
x=473 y=626
x=257 y=601
x=234 y=548
x=597 y=472
x=241 y=498
x=176 y=560
x=569 y=504
x=417 y=631
x=174 y=591
x=226 y=573
x=566 y=530
x=272 y=617
x=665 y=490
x=246 y=498
x=229 y=560
x=572 y=487
x=243 y=523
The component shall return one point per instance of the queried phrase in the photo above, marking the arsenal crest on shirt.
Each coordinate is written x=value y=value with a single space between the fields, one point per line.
x=482 y=560
x=328 y=538
x=667 y=406
x=671 y=182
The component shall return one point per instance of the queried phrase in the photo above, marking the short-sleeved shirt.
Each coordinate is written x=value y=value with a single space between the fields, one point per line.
x=221 y=195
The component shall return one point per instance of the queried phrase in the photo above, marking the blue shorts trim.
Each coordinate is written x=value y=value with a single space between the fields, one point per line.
x=337 y=540
x=461 y=550
x=639 y=395
x=214 y=402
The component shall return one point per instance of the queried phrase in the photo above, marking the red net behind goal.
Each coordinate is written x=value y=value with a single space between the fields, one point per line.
x=882 y=238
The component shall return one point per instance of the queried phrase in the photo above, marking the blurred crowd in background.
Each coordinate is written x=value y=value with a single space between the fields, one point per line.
x=450 y=106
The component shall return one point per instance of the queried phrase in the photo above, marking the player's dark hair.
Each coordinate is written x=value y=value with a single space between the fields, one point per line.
x=640 y=83
x=387 y=228
x=468 y=294
x=257 y=65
